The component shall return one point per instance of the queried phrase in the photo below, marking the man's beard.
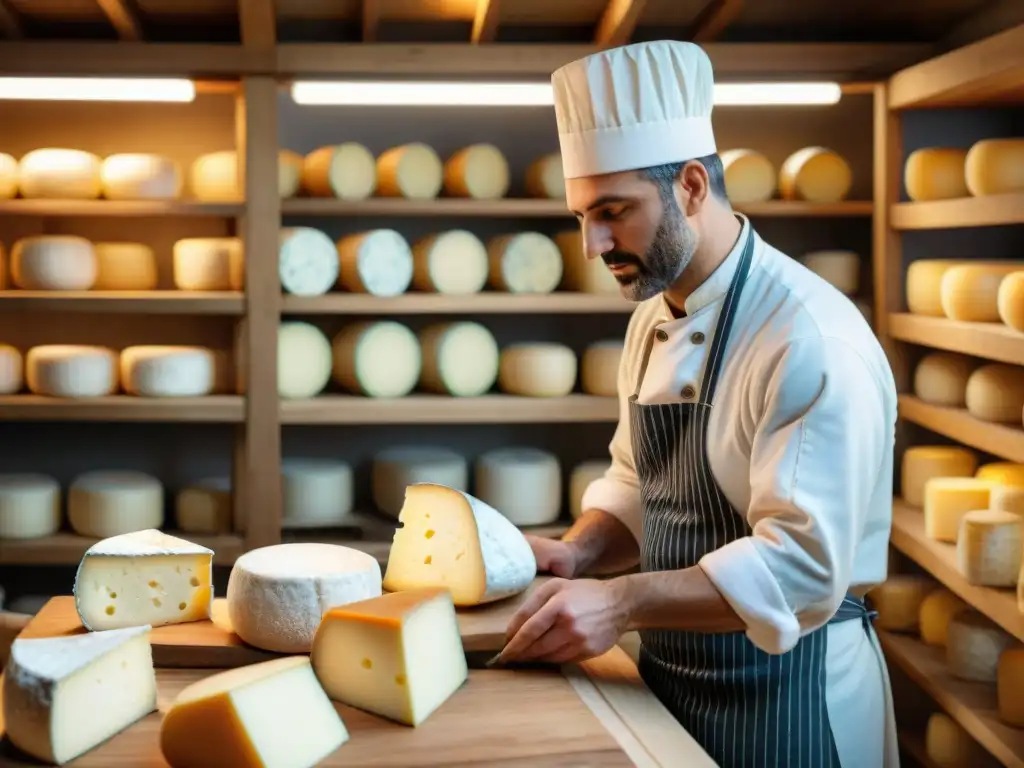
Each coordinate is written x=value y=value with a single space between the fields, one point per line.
x=674 y=245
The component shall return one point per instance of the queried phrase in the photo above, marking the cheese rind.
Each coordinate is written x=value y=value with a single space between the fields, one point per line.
x=815 y=174
x=935 y=173
x=973 y=646
x=61 y=174
x=413 y=171
x=538 y=369
x=303 y=360
x=580 y=273
x=923 y=462
x=307 y=262
x=544 y=177
x=214 y=177
x=452 y=262
x=396 y=468
x=451 y=539
x=71 y=370
x=378 y=262
x=209 y=264
x=1002 y=473
x=479 y=171
x=989 y=547
x=459 y=359
x=970 y=292
x=377 y=359
x=1008 y=498
x=947 y=500
x=347 y=171
x=1009 y=684
x=941 y=378
x=317 y=493
x=898 y=601
x=205 y=506
x=30 y=506
x=938 y=609
x=841 y=269
x=141 y=176
x=1010 y=300
x=12 y=370
x=993 y=167
x=53 y=263
x=525 y=484
x=599 y=368
x=924 y=286
x=526 y=262
x=125 y=267
x=948 y=745
x=165 y=371
x=105 y=504
x=582 y=476
x=749 y=176
x=995 y=393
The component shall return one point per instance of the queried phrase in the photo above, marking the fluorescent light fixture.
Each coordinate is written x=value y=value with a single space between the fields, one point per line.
x=455 y=94
x=97 y=89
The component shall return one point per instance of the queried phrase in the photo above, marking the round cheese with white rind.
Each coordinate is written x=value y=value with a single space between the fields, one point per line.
x=935 y=173
x=12 y=370
x=973 y=646
x=277 y=594
x=303 y=360
x=995 y=393
x=347 y=171
x=580 y=273
x=452 y=262
x=479 y=171
x=941 y=378
x=538 y=369
x=545 y=177
x=209 y=264
x=378 y=262
x=29 y=506
x=141 y=176
x=989 y=547
x=317 y=493
x=125 y=267
x=1010 y=300
x=214 y=177
x=307 y=261
x=166 y=371
x=205 y=507
x=995 y=167
x=377 y=359
x=60 y=174
x=110 y=503
x=71 y=370
x=749 y=176
x=599 y=368
x=839 y=268
x=412 y=171
x=524 y=484
x=526 y=262
x=53 y=263
x=582 y=476
x=395 y=469
x=970 y=292
x=8 y=177
x=815 y=174
x=458 y=359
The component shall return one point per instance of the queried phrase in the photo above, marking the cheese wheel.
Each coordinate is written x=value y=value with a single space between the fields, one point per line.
x=840 y=268
x=72 y=370
x=395 y=469
x=973 y=646
x=815 y=174
x=995 y=393
x=214 y=177
x=948 y=745
x=289 y=173
x=205 y=507
x=307 y=262
x=1002 y=473
x=12 y=370
x=479 y=171
x=898 y=601
x=452 y=262
x=209 y=264
x=538 y=369
x=1009 y=684
x=125 y=267
x=303 y=360
x=53 y=263
x=165 y=371
x=413 y=171
x=347 y=171
x=995 y=167
x=64 y=174
x=459 y=359
x=378 y=262
x=8 y=177
x=29 y=506
x=599 y=368
x=582 y=476
x=524 y=484
x=544 y=177
x=924 y=286
x=938 y=609
x=527 y=262
x=935 y=173
x=580 y=273
x=1010 y=300
x=1009 y=498
x=947 y=500
x=110 y=503
x=377 y=359
x=749 y=176
x=140 y=176
x=989 y=547
x=923 y=462
x=970 y=292
x=317 y=493
x=941 y=378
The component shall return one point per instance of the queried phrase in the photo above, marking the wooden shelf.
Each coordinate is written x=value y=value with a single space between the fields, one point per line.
x=68 y=548
x=992 y=341
x=227 y=409
x=20 y=207
x=488 y=302
x=957 y=424
x=440 y=409
x=939 y=559
x=118 y=302
x=913 y=744
x=988 y=211
x=799 y=209
x=973 y=705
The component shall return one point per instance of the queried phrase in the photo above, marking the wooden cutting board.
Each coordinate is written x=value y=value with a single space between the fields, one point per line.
x=214 y=644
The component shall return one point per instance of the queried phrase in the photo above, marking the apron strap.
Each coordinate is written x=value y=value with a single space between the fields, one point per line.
x=855 y=608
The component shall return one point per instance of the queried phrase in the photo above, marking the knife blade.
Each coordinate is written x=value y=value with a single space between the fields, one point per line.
x=487 y=660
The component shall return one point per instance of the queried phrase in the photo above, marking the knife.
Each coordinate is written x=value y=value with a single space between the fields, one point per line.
x=487 y=660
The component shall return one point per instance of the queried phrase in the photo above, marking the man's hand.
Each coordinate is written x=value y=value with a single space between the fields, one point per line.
x=565 y=621
x=559 y=558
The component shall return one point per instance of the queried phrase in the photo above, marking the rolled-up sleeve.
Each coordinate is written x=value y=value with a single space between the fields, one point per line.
x=815 y=458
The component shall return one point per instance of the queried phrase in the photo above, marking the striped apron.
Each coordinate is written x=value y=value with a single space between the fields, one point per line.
x=744 y=706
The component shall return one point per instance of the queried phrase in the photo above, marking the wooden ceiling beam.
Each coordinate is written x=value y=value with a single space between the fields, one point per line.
x=712 y=21
x=618 y=22
x=371 y=20
x=257 y=20
x=124 y=17
x=10 y=22
x=485 y=21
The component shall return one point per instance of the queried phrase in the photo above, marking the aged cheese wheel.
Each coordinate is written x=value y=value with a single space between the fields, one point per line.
x=947 y=744
x=303 y=360
x=1009 y=498
x=205 y=506
x=452 y=262
x=394 y=469
x=165 y=371
x=412 y=171
x=840 y=268
x=125 y=267
x=989 y=546
x=214 y=177
x=53 y=263
x=599 y=368
x=924 y=286
x=378 y=262
x=1010 y=300
x=12 y=370
x=948 y=499
x=815 y=174
x=68 y=174
x=995 y=167
x=459 y=359
x=141 y=176
x=898 y=600
x=524 y=484
x=941 y=378
x=479 y=171
x=995 y=393
x=935 y=173
x=580 y=479
x=209 y=264
x=8 y=177
x=71 y=370
x=317 y=493
x=377 y=359
x=544 y=177
x=970 y=292
x=527 y=262
x=347 y=171
x=749 y=176
x=307 y=261
x=580 y=273
x=537 y=369
x=921 y=463
x=1002 y=472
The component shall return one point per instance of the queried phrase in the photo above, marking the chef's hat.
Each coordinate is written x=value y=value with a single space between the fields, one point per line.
x=634 y=107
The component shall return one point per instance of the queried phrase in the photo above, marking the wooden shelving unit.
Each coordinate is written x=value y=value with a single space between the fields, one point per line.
x=125 y=302
x=489 y=302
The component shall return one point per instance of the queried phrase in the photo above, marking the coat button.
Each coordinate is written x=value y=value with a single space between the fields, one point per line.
x=660 y=335
x=688 y=392
x=697 y=338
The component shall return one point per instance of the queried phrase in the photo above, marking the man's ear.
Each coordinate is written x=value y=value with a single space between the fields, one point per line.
x=692 y=187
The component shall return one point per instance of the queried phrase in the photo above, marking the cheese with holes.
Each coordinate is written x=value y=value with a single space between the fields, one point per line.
x=995 y=167
x=948 y=745
x=839 y=268
x=749 y=176
x=12 y=370
x=538 y=369
x=580 y=273
x=104 y=504
x=29 y=506
x=923 y=462
x=205 y=506
x=449 y=538
x=898 y=601
x=412 y=171
x=209 y=264
x=144 y=577
x=582 y=476
x=938 y=609
x=935 y=173
x=941 y=378
x=53 y=263
x=214 y=177
x=347 y=171
x=71 y=370
x=125 y=267
x=62 y=174
x=307 y=261
x=303 y=360
x=317 y=493
x=378 y=262
x=8 y=177
x=970 y=292
x=1010 y=300
x=947 y=500
x=277 y=594
x=527 y=262
x=394 y=469
x=815 y=174
x=995 y=393
x=973 y=646
x=479 y=171
x=1009 y=498
x=459 y=359
x=398 y=656
x=141 y=176
x=274 y=714
x=544 y=177
x=988 y=548
x=165 y=371
x=524 y=484
x=1009 y=684
x=377 y=359
x=451 y=262
x=1002 y=473
x=65 y=695
x=599 y=368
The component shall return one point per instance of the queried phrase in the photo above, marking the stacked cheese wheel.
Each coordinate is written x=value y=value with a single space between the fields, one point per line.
x=812 y=174
x=75 y=174
x=988 y=167
x=991 y=392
